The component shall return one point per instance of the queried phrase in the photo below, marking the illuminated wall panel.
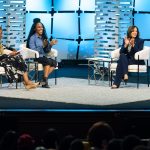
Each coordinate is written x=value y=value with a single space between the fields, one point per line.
x=143 y=25
x=12 y=19
x=112 y=20
x=142 y=5
x=66 y=5
x=65 y=25
x=38 y=5
x=87 y=25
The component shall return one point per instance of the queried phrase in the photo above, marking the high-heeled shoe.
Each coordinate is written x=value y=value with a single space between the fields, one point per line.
x=114 y=86
x=36 y=84
x=125 y=81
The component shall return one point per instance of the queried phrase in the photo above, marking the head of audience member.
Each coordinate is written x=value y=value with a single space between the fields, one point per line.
x=51 y=139
x=76 y=145
x=25 y=142
x=40 y=148
x=66 y=142
x=141 y=147
x=130 y=142
x=115 y=144
x=133 y=32
x=9 y=141
x=99 y=135
x=1 y=32
x=38 y=28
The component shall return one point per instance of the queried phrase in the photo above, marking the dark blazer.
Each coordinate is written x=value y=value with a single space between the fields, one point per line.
x=139 y=44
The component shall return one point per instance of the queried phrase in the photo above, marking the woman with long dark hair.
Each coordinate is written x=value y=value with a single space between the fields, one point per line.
x=38 y=40
x=132 y=43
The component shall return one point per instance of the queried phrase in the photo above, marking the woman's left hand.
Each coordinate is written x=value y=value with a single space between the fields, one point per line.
x=53 y=42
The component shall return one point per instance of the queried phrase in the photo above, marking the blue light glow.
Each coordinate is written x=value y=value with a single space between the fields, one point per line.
x=66 y=49
x=143 y=25
x=142 y=5
x=65 y=25
x=88 y=5
x=87 y=25
x=38 y=5
x=66 y=5
x=86 y=49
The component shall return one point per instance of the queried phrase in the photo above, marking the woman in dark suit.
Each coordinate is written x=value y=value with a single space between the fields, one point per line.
x=131 y=44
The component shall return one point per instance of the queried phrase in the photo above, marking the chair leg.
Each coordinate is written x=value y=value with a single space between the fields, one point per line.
x=111 y=78
x=138 y=77
x=55 y=77
x=36 y=72
x=16 y=84
x=147 y=74
x=1 y=80
x=147 y=79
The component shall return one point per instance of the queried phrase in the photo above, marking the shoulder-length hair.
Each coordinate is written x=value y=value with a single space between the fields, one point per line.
x=32 y=30
x=131 y=29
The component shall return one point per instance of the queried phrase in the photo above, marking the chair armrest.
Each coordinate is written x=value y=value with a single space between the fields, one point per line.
x=143 y=54
x=52 y=53
x=115 y=54
x=28 y=53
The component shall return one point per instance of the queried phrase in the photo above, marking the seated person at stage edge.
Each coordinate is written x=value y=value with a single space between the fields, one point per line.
x=38 y=40
x=131 y=44
x=14 y=62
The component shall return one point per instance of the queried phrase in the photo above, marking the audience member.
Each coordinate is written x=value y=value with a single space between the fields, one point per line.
x=141 y=147
x=77 y=145
x=130 y=142
x=25 y=142
x=66 y=142
x=115 y=144
x=99 y=135
x=9 y=141
x=51 y=140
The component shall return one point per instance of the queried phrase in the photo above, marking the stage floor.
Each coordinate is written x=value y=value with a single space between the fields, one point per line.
x=73 y=93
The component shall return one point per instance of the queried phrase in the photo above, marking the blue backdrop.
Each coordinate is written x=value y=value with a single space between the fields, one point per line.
x=69 y=21
x=142 y=19
x=72 y=23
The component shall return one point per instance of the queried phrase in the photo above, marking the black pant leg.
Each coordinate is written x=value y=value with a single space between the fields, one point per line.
x=122 y=69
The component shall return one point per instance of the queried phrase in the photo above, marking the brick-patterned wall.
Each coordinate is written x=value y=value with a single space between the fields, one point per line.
x=12 y=20
x=111 y=22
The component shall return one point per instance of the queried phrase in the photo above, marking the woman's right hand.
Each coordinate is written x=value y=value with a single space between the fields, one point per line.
x=126 y=41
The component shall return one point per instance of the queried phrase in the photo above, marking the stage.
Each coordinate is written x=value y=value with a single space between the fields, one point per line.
x=73 y=93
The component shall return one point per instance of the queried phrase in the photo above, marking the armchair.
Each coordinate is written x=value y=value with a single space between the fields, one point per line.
x=141 y=55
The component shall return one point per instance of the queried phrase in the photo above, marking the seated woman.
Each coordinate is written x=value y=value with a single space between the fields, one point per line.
x=38 y=40
x=131 y=44
x=13 y=63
